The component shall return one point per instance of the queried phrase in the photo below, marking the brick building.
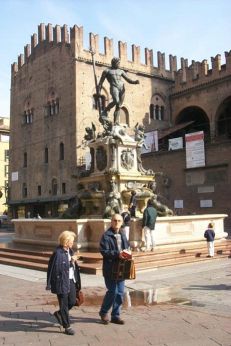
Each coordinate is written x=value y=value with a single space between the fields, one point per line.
x=53 y=101
x=4 y=162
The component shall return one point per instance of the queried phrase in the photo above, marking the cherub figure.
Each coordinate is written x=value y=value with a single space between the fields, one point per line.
x=90 y=132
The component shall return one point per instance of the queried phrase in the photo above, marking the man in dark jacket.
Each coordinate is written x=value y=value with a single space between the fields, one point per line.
x=149 y=221
x=112 y=244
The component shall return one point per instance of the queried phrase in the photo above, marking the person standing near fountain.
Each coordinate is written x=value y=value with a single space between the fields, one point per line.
x=210 y=236
x=126 y=221
x=114 y=77
x=112 y=244
x=148 y=224
x=132 y=204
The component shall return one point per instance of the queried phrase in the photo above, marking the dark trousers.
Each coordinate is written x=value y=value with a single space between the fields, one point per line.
x=133 y=211
x=66 y=302
x=113 y=297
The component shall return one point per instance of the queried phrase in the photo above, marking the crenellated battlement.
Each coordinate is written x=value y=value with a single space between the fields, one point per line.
x=186 y=77
x=198 y=73
x=49 y=37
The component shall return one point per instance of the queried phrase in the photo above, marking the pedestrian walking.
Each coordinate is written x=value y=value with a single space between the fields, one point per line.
x=210 y=236
x=63 y=278
x=112 y=244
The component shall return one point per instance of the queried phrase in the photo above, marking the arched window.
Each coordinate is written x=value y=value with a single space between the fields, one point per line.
x=157 y=108
x=124 y=116
x=61 y=151
x=54 y=187
x=28 y=112
x=224 y=119
x=52 y=106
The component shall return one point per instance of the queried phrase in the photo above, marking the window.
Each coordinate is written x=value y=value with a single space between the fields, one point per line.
x=24 y=190
x=39 y=190
x=124 y=116
x=6 y=169
x=6 y=187
x=28 y=116
x=52 y=107
x=46 y=155
x=157 y=108
x=6 y=155
x=54 y=187
x=63 y=188
x=28 y=113
x=25 y=160
x=61 y=151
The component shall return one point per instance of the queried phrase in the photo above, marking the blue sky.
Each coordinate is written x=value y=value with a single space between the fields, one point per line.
x=193 y=29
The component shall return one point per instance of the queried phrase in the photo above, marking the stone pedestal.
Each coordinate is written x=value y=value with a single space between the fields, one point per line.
x=169 y=230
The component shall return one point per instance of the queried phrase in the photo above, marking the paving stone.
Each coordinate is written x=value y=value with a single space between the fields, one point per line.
x=199 y=313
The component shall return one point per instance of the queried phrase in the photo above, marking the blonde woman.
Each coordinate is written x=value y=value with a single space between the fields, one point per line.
x=63 y=278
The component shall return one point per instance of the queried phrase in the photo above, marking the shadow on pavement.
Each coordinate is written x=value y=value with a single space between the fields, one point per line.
x=209 y=287
x=31 y=321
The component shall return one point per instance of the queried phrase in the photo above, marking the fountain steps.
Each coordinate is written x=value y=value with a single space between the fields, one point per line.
x=91 y=262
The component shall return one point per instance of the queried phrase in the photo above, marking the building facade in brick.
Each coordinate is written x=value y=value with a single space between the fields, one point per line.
x=53 y=100
x=4 y=163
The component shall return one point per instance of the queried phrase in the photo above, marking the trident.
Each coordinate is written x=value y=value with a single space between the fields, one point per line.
x=96 y=84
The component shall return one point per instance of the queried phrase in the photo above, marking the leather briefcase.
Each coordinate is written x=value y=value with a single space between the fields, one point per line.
x=124 y=269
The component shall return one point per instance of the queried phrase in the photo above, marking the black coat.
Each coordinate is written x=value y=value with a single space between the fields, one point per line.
x=209 y=234
x=58 y=272
x=110 y=251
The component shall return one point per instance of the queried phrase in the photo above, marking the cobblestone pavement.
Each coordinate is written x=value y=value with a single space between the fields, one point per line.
x=176 y=306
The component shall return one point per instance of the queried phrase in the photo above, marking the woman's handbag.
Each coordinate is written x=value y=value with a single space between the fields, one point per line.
x=124 y=269
x=79 y=298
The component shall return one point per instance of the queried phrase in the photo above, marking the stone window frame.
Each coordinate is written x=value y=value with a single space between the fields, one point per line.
x=157 y=108
x=6 y=171
x=25 y=161
x=61 y=151
x=54 y=186
x=46 y=154
x=63 y=188
x=6 y=155
x=126 y=112
x=52 y=105
x=24 y=190
x=39 y=190
x=28 y=113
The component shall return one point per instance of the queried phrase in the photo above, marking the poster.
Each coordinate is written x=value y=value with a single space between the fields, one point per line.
x=151 y=142
x=175 y=143
x=195 y=152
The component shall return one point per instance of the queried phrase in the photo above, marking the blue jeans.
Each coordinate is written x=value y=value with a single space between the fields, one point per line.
x=113 y=297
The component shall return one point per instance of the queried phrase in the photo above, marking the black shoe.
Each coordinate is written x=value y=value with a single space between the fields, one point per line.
x=117 y=320
x=58 y=318
x=69 y=331
x=104 y=319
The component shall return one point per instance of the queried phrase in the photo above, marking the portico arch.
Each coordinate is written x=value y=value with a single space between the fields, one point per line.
x=223 y=119
x=199 y=118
